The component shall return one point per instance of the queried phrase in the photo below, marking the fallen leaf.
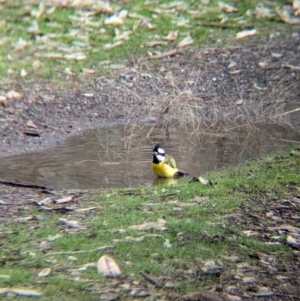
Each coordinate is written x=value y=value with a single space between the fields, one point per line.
x=248 y=279
x=246 y=33
x=10 y=71
x=4 y=290
x=139 y=293
x=256 y=86
x=285 y=227
x=223 y=18
x=85 y=266
x=147 y=24
x=158 y=225
x=195 y=14
x=233 y=72
x=112 y=45
x=227 y=8
x=263 y=64
x=34 y=27
x=210 y=267
x=262 y=11
x=286 y=17
x=185 y=42
x=296 y=4
x=88 y=71
x=108 y=267
x=249 y=233
x=201 y=180
x=164 y=54
x=20 y=292
x=3 y=41
x=23 y=73
x=24 y=219
x=233 y=297
x=244 y=266
x=122 y=35
x=52 y=55
x=69 y=71
x=262 y=291
x=37 y=13
x=232 y=64
x=116 y=19
x=181 y=22
x=232 y=258
x=293 y=241
x=70 y=224
x=167 y=244
x=45 y=201
x=172 y=35
x=78 y=56
x=276 y=55
x=13 y=94
x=72 y=258
x=3 y=101
x=88 y=95
x=20 y=45
x=54 y=237
x=31 y=124
x=44 y=272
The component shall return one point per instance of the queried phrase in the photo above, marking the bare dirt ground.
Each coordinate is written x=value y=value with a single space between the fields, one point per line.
x=247 y=83
x=241 y=83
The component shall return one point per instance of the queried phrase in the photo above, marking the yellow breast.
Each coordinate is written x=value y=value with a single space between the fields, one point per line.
x=164 y=170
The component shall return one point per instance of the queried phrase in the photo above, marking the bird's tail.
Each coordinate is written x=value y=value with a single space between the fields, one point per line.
x=180 y=173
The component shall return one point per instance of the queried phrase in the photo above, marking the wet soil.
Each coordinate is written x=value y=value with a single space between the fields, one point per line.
x=264 y=77
x=240 y=83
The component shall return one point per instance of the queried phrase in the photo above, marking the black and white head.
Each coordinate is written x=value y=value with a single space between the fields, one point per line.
x=158 y=154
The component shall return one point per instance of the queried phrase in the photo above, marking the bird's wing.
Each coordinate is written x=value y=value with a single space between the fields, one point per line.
x=170 y=161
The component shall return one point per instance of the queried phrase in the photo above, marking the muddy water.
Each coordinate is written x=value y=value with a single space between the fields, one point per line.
x=121 y=155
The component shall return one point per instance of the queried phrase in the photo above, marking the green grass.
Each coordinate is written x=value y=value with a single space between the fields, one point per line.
x=196 y=233
x=17 y=18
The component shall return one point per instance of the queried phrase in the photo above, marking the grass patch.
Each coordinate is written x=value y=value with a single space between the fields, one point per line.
x=43 y=40
x=199 y=234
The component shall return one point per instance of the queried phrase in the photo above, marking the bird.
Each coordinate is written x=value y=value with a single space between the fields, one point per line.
x=163 y=165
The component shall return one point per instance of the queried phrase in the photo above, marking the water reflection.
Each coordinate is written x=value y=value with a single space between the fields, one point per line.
x=121 y=155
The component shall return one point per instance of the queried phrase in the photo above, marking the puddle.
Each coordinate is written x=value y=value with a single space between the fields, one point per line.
x=120 y=156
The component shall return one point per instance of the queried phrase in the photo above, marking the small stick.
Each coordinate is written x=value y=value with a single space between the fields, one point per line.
x=18 y=184
x=32 y=133
x=164 y=54
x=271 y=117
x=150 y=279
x=65 y=200
x=223 y=26
x=296 y=68
x=79 y=252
